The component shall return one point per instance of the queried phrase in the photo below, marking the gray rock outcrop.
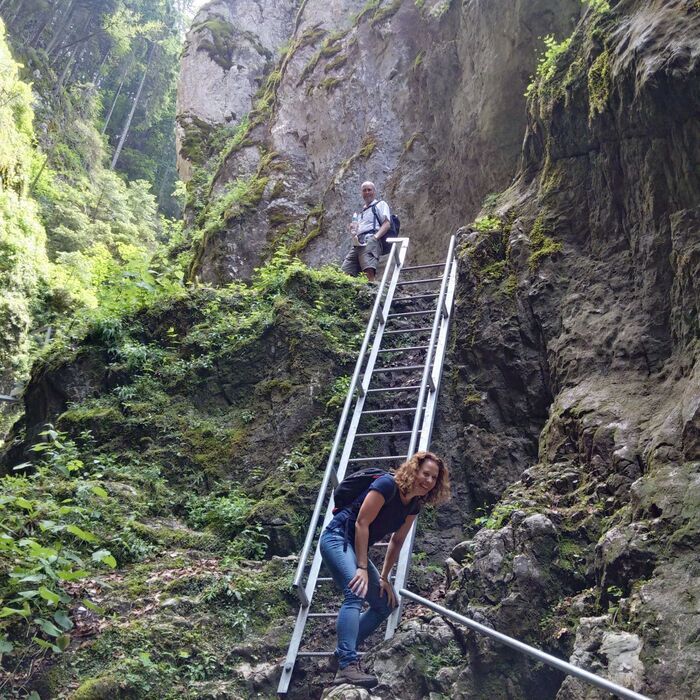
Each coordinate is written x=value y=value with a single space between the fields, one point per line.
x=426 y=99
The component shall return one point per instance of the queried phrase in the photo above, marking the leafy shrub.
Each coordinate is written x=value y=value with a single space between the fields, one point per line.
x=44 y=545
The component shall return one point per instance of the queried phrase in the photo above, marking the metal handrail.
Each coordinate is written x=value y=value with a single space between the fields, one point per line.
x=329 y=472
x=535 y=653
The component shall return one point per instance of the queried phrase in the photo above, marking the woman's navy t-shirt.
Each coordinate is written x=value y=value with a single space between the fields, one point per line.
x=392 y=515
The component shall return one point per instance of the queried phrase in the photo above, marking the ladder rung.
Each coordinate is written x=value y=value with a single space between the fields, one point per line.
x=393 y=432
x=376 y=459
x=406 y=349
x=405 y=368
x=333 y=614
x=324 y=653
x=408 y=330
x=380 y=544
x=392 y=388
x=417 y=296
x=411 y=313
x=422 y=267
x=423 y=281
x=377 y=411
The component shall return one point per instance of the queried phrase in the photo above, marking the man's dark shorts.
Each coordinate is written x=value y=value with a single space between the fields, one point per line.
x=361 y=258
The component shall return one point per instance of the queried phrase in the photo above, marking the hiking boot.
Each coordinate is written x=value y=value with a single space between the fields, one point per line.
x=353 y=675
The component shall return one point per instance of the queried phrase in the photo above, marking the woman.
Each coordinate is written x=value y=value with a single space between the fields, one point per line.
x=391 y=504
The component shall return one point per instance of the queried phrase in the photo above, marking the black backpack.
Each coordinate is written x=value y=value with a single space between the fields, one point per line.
x=354 y=485
x=393 y=231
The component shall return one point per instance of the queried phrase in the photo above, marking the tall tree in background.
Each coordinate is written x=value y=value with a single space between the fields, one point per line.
x=119 y=55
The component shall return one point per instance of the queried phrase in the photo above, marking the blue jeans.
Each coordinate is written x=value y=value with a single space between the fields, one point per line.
x=352 y=626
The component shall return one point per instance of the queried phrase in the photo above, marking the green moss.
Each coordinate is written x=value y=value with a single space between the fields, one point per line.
x=550 y=63
x=510 y=285
x=369 y=144
x=571 y=555
x=332 y=46
x=91 y=414
x=494 y=272
x=316 y=217
x=418 y=61
x=472 y=398
x=280 y=218
x=498 y=517
x=169 y=537
x=598 y=5
x=221 y=42
x=369 y=7
x=412 y=140
x=487 y=224
x=338 y=62
x=385 y=12
x=283 y=387
x=439 y=10
x=542 y=245
x=599 y=82
x=278 y=190
x=105 y=687
x=329 y=84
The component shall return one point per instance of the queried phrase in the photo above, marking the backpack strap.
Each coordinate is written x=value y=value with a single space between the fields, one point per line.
x=376 y=216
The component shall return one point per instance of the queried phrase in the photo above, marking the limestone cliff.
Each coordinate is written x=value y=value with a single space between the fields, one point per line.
x=574 y=389
x=577 y=356
x=426 y=99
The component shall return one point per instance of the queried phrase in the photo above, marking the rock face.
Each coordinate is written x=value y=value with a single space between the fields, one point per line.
x=576 y=356
x=570 y=411
x=430 y=100
x=229 y=48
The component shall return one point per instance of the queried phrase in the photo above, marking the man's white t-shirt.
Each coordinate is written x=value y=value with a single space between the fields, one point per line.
x=368 y=222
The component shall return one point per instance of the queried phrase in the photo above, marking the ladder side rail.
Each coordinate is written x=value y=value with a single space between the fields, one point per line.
x=306 y=593
x=366 y=380
x=564 y=666
x=328 y=474
x=404 y=561
x=426 y=432
x=431 y=349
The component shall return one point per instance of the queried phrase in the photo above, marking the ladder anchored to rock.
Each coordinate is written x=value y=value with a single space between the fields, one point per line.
x=396 y=378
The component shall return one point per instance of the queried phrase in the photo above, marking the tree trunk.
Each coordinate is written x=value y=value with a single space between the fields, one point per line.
x=137 y=97
x=71 y=56
x=58 y=34
x=126 y=72
x=12 y=20
x=96 y=75
x=33 y=42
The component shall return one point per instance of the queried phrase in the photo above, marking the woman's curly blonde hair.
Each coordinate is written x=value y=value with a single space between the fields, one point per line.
x=406 y=474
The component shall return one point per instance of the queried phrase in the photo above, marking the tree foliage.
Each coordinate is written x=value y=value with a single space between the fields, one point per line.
x=95 y=53
x=75 y=236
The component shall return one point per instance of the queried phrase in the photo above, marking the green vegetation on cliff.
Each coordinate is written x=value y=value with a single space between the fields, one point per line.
x=191 y=451
x=78 y=238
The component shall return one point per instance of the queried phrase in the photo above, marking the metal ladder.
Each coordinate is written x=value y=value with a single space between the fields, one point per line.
x=381 y=330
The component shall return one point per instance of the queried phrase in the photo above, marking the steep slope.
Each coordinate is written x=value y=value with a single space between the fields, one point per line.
x=423 y=98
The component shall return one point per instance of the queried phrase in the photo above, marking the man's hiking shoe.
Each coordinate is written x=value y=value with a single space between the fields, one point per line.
x=354 y=676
